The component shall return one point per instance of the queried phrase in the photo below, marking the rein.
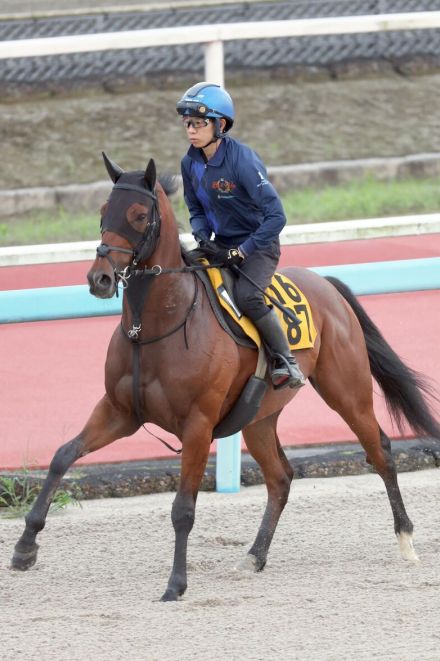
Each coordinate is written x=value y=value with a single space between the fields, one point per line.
x=159 y=270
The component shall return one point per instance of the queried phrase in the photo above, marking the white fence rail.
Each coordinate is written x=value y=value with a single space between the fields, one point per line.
x=338 y=230
x=213 y=36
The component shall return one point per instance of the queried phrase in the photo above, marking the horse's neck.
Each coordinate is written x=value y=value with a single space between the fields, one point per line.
x=160 y=301
x=167 y=253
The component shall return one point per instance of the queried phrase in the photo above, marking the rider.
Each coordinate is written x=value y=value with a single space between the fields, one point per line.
x=228 y=194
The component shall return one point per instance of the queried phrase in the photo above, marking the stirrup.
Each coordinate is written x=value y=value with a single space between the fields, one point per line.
x=287 y=375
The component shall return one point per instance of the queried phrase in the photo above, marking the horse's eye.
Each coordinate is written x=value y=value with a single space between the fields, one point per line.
x=137 y=216
x=140 y=220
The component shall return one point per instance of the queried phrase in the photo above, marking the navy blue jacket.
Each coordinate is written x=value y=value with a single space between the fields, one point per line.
x=231 y=197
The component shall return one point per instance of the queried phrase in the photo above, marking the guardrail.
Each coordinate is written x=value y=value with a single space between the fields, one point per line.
x=338 y=230
x=213 y=36
x=75 y=301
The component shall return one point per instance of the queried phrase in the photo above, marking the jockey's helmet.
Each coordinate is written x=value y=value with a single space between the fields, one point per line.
x=207 y=100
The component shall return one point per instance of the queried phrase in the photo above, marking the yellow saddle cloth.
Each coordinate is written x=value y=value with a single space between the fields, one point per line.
x=284 y=291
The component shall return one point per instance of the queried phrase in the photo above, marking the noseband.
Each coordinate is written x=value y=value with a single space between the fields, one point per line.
x=145 y=246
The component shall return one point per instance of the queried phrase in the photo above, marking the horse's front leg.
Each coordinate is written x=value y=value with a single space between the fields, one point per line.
x=104 y=426
x=194 y=457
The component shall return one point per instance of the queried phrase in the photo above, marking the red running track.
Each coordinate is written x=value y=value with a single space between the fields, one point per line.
x=42 y=408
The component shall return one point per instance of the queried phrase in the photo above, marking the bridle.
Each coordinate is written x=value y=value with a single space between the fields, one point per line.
x=144 y=247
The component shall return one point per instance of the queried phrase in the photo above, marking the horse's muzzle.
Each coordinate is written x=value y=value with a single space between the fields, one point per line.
x=101 y=284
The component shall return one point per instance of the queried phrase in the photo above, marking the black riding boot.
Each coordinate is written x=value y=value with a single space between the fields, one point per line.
x=286 y=371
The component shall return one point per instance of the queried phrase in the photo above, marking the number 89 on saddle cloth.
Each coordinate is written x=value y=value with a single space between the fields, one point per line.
x=300 y=336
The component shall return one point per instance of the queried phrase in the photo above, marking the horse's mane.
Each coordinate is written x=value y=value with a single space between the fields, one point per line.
x=190 y=257
x=169 y=183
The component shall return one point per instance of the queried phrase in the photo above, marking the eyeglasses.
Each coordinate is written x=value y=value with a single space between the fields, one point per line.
x=195 y=122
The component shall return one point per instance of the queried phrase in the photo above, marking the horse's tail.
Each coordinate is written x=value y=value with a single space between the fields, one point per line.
x=403 y=387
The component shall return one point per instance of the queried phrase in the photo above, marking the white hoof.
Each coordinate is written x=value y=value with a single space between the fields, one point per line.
x=249 y=563
x=407 y=548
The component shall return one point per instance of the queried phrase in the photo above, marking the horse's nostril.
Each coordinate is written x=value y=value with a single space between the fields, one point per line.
x=99 y=282
x=103 y=281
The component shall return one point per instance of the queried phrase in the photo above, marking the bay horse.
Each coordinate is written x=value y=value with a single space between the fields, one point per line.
x=189 y=372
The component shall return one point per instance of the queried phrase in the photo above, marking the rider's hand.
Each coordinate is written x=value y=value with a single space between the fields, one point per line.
x=235 y=257
x=221 y=256
x=209 y=247
x=228 y=257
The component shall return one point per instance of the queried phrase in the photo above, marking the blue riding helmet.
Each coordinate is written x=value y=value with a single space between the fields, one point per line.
x=207 y=100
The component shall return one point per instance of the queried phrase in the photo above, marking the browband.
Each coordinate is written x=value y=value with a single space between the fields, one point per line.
x=139 y=189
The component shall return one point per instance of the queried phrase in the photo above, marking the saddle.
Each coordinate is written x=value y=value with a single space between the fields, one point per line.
x=219 y=285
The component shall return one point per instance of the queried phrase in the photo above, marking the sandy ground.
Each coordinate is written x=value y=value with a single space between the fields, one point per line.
x=334 y=587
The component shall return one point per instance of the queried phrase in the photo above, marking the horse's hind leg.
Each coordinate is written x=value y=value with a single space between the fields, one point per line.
x=104 y=426
x=402 y=524
x=263 y=444
x=354 y=402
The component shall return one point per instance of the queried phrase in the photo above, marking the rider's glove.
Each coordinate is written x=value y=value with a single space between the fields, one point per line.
x=221 y=256
x=228 y=257
x=235 y=257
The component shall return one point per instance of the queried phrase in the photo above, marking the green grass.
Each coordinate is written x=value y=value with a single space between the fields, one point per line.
x=366 y=198
x=18 y=494
x=49 y=227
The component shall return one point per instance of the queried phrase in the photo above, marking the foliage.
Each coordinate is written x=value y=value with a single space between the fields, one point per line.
x=18 y=494
x=363 y=198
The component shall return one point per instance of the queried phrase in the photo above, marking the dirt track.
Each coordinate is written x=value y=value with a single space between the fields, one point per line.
x=333 y=589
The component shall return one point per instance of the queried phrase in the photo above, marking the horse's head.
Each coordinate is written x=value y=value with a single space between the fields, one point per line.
x=130 y=227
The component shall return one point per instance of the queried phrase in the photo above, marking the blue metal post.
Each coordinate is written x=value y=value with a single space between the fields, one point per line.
x=228 y=464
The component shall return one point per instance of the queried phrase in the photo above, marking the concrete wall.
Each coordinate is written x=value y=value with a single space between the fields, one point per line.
x=89 y=197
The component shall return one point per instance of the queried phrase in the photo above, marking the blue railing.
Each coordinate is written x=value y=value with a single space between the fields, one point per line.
x=75 y=301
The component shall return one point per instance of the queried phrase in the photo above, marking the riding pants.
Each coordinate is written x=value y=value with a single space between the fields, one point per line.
x=260 y=266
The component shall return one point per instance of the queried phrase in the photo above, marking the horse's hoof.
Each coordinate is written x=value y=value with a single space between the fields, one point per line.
x=23 y=560
x=407 y=548
x=250 y=563
x=170 y=595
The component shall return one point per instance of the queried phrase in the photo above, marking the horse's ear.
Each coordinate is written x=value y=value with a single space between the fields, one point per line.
x=150 y=175
x=112 y=168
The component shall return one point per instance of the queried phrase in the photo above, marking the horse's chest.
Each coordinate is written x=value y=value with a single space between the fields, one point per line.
x=169 y=302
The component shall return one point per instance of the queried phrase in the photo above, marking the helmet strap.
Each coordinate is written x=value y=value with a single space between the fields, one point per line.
x=214 y=139
x=218 y=133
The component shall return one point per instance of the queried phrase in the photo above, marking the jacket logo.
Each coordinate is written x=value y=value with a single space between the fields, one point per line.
x=263 y=180
x=223 y=185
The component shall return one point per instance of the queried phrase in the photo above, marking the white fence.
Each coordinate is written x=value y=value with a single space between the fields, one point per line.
x=213 y=36
x=339 y=230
